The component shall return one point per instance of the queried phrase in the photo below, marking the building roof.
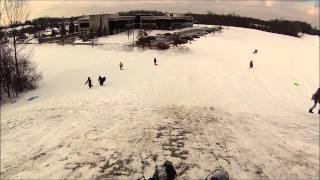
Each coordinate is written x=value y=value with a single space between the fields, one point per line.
x=83 y=18
x=121 y=18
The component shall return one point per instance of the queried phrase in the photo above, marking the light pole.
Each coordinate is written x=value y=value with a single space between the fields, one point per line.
x=132 y=24
x=133 y=34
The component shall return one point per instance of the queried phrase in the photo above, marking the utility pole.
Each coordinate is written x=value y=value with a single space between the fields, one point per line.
x=128 y=27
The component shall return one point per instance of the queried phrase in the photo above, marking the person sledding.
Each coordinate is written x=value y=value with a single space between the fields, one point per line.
x=101 y=80
x=316 y=100
x=121 y=66
x=89 y=82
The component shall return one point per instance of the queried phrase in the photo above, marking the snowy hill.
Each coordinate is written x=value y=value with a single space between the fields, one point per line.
x=201 y=108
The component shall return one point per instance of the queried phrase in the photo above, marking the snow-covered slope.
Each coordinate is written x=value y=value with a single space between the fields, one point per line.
x=201 y=108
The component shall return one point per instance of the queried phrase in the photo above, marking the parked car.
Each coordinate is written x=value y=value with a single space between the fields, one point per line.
x=195 y=36
x=188 y=38
x=162 y=45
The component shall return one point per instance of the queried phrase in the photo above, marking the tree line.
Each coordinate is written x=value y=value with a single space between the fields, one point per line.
x=136 y=12
x=42 y=23
x=280 y=26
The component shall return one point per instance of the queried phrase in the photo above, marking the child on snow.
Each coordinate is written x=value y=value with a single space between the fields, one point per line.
x=251 y=64
x=316 y=99
x=101 y=80
x=89 y=82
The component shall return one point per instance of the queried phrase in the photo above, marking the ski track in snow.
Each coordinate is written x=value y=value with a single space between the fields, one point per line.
x=144 y=116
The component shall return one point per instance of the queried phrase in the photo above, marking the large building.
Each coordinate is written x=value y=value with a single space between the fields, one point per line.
x=165 y=22
x=113 y=23
x=105 y=23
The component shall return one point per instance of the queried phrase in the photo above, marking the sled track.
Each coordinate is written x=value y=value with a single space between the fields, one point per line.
x=197 y=140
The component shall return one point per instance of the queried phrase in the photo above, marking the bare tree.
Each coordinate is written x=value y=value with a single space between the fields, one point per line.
x=6 y=66
x=15 y=12
x=1 y=11
x=141 y=38
x=28 y=72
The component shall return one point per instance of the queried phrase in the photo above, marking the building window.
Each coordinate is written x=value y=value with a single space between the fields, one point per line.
x=84 y=25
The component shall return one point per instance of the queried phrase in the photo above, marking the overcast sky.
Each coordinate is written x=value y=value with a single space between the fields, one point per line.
x=305 y=10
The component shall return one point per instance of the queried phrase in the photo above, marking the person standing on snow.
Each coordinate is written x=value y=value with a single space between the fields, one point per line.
x=121 y=65
x=101 y=80
x=155 y=61
x=316 y=99
x=251 y=64
x=89 y=82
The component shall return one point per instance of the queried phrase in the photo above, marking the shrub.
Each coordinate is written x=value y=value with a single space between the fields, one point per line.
x=9 y=78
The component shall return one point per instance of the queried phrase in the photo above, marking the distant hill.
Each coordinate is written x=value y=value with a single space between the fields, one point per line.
x=280 y=26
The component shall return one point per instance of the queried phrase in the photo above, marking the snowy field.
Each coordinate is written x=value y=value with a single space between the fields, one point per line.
x=201 y=108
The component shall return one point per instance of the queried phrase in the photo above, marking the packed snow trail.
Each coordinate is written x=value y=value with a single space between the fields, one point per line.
x=201 y=108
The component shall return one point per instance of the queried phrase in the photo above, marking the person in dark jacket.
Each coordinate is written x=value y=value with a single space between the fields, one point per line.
x=155 y=61
x=121 y=66
x=251 y=64
x=101 y=80
x=316 y=99
x=89 y=82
